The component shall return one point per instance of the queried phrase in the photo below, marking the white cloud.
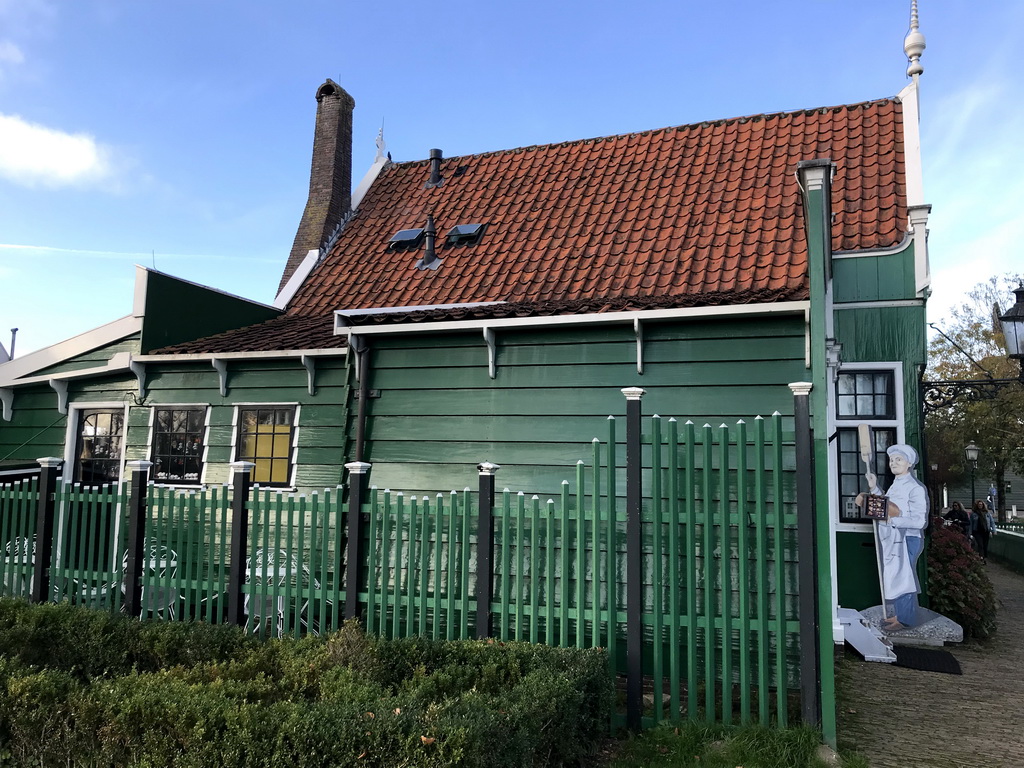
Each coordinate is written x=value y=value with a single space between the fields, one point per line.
x=10 y=53
x=34 y=155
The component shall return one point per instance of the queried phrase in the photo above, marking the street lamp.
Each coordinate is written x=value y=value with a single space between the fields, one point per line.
x=972 y=452
x=1013 y=328
x=939 y=395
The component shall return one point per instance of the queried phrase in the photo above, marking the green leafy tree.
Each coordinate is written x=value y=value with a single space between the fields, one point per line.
x=969 y=345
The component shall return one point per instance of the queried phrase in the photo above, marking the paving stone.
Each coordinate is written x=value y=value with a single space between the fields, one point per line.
x=900 y=718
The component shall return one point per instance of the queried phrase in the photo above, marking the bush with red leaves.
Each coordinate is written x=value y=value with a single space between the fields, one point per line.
x=958 y=586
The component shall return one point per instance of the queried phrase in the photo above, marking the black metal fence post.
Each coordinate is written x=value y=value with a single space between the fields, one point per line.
x=137 y=513
x=634 y=560
x=241 y=483
x=810 y=652
x=45 y=515
x=358 y=472
x=485 y=550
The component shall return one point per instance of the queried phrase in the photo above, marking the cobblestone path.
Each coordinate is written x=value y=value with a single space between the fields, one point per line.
x=904 y=718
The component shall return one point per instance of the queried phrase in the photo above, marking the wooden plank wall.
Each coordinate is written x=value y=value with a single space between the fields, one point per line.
x=321 y=422
x=439 y=413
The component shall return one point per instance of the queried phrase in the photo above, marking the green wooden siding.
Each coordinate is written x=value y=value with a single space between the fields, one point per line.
x=37 y=429
x=887 y=277
x=879 y=334
x=208 y=312
x=439 y=413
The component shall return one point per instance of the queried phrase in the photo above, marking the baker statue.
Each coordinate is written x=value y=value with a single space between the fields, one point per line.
x=900 y=529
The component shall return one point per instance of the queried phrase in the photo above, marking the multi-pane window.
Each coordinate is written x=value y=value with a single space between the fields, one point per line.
x=866 y=395
x=178 y=444
x=852 y=469
x=265 y=439
x=98 y=455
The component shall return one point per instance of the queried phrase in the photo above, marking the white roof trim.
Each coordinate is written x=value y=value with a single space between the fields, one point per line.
x=413 y=308
x=912 y=143
x=298 y=277
x=13 y=371
x=119 y=362
x=901 y=246
x=207 y=356
x=371 y=176
x=782 y=307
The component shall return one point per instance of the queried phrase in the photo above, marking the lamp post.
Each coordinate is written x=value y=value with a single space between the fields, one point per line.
x=1013 y=328
x=938 y=395
x=972 y=452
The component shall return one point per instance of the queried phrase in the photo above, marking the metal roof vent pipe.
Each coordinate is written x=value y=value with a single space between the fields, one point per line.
x=435 y=179
x=429 y=260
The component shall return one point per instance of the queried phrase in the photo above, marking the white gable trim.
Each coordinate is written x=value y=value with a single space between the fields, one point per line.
x=341 y=327
x=297 y=278
x=12 y=371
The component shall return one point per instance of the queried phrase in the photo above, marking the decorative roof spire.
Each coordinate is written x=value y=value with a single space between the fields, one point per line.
x=913 y=44
x=381 y=146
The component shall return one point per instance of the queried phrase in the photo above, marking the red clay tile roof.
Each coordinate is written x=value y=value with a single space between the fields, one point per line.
x=286 y=332
x=698 y=215
x=712 y=208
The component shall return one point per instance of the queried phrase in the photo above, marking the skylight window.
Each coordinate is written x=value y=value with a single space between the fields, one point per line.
x=406 y=240
x=464 y=234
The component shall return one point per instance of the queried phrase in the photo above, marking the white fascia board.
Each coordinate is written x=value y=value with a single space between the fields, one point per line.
x=692 y=313
x=893 y=249
x=11 y=372
x=341 y=314
x=371 y=176
x=909 y=97
x=206 y=357
x=119 y=362
x=298 y=277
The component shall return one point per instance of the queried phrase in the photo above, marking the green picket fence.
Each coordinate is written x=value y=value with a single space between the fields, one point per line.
x=717 y=615
x=719 y=618
x=17 y=534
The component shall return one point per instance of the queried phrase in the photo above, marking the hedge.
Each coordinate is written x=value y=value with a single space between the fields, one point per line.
x=183 y=694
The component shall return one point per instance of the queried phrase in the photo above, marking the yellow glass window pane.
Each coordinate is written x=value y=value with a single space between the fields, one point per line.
x=261 y=473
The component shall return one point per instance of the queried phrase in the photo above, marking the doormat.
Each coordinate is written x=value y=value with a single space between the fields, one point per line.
x=927 y=659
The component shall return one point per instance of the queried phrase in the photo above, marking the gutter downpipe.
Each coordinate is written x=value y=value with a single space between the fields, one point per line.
x=363 y=375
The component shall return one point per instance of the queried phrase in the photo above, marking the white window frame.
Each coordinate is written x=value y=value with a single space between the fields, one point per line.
x=293 y=450
x=835 y=424
x=206 y=441
x=71 y=435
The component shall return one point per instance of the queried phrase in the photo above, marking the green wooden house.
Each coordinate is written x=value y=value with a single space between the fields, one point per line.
x=492 y=307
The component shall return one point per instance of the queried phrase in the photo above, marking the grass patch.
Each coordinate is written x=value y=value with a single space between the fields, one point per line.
x=719 y=746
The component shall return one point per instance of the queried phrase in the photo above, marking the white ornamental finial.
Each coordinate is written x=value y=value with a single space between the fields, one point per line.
x=913 y=44
x=380 y=142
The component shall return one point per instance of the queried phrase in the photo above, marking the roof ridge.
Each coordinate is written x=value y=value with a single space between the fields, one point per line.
x=610 y=137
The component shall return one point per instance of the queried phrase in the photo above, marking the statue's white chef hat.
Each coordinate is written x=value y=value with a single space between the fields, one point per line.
x=905 y=451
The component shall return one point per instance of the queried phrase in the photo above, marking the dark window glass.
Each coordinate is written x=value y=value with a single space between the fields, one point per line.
x=852 y=469
x=866 y=395
x=98 y=457
x=178 y=444
x=265 y=439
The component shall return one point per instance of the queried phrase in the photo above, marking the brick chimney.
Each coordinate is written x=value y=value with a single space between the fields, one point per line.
x=330 y=178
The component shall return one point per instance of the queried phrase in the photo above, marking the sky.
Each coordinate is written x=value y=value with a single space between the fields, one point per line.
x=178 y=135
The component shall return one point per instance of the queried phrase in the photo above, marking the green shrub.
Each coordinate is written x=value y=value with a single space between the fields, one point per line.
x=181 y=694
x=89 y=644
x=958 y=586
